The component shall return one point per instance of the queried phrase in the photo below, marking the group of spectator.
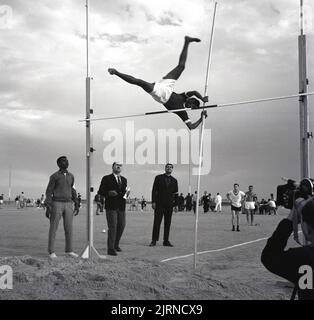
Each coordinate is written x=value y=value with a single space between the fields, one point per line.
x=214 y=203
x=135 y=202
x=21 y=201
x=188 y=203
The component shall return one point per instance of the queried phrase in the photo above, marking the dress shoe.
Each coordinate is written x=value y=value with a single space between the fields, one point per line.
x=112 y=252
x=118 y=249
x=153 y=244
x=167 y=244
x=72 y=254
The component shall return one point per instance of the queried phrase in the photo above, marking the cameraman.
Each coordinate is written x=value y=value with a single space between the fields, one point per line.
x=287 y=263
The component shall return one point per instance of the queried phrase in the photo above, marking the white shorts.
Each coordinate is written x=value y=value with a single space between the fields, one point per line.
x=1 y=201
x=163 y=90
x=250 y=205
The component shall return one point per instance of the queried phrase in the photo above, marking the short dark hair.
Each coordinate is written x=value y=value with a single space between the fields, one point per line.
x=169 y=164
x=60 y=158
x=236 y=184
x=116 y=162
x=308 y=212
x=250 y=186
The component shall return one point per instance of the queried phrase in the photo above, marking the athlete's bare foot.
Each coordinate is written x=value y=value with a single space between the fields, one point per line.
x=190 y=39
x=112 y=71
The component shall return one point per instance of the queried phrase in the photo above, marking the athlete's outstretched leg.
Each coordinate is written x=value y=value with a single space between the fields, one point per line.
x=147 y=86
x=176 y=72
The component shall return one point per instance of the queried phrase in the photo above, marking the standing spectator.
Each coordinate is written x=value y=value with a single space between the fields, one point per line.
x=236 y=198
x=256 y=204
x=271 y=207
x=262 y=206
x=272 y=198
x=164 y=193
x=218 y=201
x=113 y=188
x=188 y=202
x=60 y=194
x=194 y=200
x=205 y=201
x=143 y=204
x=181 y=202
x=97 y=199
x=212 y=204
x=42 y=201
x=79 y=200
x=249 y=204
x=1 y=200
x=17 y=202
x=21 y=200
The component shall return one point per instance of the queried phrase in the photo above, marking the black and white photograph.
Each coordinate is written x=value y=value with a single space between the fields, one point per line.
x=158 y=151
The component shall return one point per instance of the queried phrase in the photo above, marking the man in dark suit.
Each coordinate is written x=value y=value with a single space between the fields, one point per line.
x=113 y=188
x=164 y=195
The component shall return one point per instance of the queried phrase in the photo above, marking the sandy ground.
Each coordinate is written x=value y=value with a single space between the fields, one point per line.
x=137 y=272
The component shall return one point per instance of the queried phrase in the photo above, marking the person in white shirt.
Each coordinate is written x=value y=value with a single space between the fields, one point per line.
x=271 y=205
x=218 y=201
x=236 y=197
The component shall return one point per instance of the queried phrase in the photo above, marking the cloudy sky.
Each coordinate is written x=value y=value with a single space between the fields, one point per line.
x=42 y=86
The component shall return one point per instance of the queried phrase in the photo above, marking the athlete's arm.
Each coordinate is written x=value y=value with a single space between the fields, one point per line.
x=194 y=125
x=197 y=95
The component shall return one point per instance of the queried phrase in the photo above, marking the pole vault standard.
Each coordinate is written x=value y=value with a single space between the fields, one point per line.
x=89 y=251
x=200 y=163
x=304 y=115
x=229 y=104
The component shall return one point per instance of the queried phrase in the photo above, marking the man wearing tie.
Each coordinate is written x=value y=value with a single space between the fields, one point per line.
x=113 y=188
x=164 y=195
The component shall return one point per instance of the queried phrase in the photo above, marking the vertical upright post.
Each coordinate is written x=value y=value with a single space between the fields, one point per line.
x=304 y=116
x=10 y=183
x=190 y=149
x=89 y=250
x=202 y=138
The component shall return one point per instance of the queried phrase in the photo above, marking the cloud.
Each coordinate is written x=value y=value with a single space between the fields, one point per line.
x=168 y=18
x=116 y=39
x=42 y=83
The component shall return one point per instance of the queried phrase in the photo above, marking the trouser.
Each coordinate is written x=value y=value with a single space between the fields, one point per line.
x=116 y=225
x=64 y=209
x=194 y=206
x=98 y=207
x=218 y=206
x=159 y=213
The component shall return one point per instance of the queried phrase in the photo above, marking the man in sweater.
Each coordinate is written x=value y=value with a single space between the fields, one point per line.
x=60 y=196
